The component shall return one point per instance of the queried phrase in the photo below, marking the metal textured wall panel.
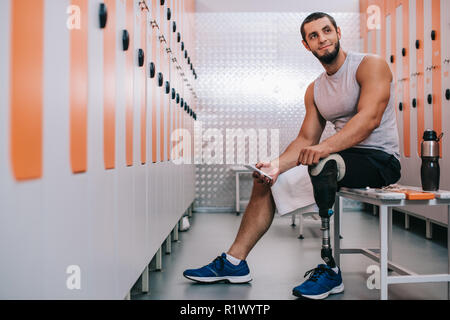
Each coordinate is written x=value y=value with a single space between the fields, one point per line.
x=253 y=72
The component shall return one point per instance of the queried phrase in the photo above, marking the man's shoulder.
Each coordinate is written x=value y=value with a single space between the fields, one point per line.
x=371 y=61
x=372 y=65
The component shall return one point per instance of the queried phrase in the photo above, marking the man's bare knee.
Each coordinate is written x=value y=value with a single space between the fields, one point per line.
x=261 y=189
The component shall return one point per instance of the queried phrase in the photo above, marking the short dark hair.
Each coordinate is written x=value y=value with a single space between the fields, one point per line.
x=315 y=16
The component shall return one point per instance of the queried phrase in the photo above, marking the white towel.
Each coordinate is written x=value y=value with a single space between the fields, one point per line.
x=293 y=190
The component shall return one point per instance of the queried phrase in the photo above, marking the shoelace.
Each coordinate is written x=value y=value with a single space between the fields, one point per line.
x=219 y=259
x=316 y=273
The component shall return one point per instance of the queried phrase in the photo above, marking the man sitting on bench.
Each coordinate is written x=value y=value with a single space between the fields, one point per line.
x=356 y=94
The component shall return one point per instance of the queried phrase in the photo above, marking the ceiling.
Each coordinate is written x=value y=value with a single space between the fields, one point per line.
x=277 y=5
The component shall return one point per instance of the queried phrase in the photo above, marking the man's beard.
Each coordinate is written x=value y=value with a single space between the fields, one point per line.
x=329 y=58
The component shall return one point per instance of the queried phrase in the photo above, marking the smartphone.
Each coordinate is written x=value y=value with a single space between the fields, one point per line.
x=258 y=170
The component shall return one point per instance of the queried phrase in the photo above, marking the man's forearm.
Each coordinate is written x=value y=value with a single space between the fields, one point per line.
x=354 y=132
x=288 y=159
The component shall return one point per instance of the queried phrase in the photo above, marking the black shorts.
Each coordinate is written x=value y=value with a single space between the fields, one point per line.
x=369 y=168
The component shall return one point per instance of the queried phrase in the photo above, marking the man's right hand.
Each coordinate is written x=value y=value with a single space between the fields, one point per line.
x=268 y=168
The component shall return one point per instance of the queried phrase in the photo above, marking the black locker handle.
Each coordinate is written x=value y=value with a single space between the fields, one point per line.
x=173 y=94
x=160 y=79
x=103 y=15
x=174 y=26
x=169 y=14
x=430 y=99
x=186 y=54
x=167 y=87
x=400 y=106
x=182 y=103
x=125 y=40
x=417 y=44
x=141 y=57
x=178 y=37
x=189 y=60
x=403 y=52
x=182 y=46
x=392 y=58
x=433 y=34
x=152 y=70
x=447 y=94
x=414 y=102
x=162 y=2
x=178 y=98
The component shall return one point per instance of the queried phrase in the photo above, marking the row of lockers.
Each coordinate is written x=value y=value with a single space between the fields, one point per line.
x=154 y=41
x=91 y=94
x=414 y=38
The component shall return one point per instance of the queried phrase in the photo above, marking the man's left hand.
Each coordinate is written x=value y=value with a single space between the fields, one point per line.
x=312 y=155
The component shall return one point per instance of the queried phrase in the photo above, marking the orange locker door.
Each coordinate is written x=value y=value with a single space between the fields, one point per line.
x=161 y=83
x=27 y=56
x=154 y=83
x=404 y=54
x=129 y=87
x=420 y=69
x=436 y=65
x=79 y=90
x=142 y=57
x=109 y=86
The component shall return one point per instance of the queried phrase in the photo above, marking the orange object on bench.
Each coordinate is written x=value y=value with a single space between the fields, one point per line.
x=414 y=194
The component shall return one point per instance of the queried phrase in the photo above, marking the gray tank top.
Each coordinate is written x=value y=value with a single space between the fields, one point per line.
x=337 y=96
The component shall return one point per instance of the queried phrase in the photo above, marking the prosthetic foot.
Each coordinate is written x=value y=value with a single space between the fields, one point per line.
x=324 y=177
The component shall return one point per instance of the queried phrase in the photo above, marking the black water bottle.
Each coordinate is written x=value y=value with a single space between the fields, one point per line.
x=429 y=171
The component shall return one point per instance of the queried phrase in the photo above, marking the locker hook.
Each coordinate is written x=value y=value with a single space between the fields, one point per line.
x=125 y=40
x=141 y=57
x=152 y=70
x=103 y=15
x=167 y=87
x=143 y=5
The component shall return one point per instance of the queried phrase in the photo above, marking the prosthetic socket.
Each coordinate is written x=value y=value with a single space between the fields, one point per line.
x=324 y=178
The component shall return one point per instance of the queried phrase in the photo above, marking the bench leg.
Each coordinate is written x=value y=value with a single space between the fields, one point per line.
x=429 y=229
x=158 y=260
x=175 y=232
x=390 y=234
x=293 y=220
x=383 y=252
x=169 y=244
x=145 y=280
x=337 y=230
x=300 y=223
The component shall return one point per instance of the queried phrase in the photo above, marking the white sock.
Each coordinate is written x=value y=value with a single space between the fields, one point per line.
x=233 y=260
x=335 y=269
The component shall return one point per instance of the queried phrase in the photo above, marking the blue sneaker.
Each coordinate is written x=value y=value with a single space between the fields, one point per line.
x=322 y=282
x=220 y=270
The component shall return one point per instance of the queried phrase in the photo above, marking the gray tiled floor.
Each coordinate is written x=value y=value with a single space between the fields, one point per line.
x=279 y=261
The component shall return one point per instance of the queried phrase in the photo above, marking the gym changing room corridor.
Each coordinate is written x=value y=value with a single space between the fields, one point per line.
x=238 y=150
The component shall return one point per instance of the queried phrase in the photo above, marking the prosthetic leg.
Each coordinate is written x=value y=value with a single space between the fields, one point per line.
x=324 y=177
